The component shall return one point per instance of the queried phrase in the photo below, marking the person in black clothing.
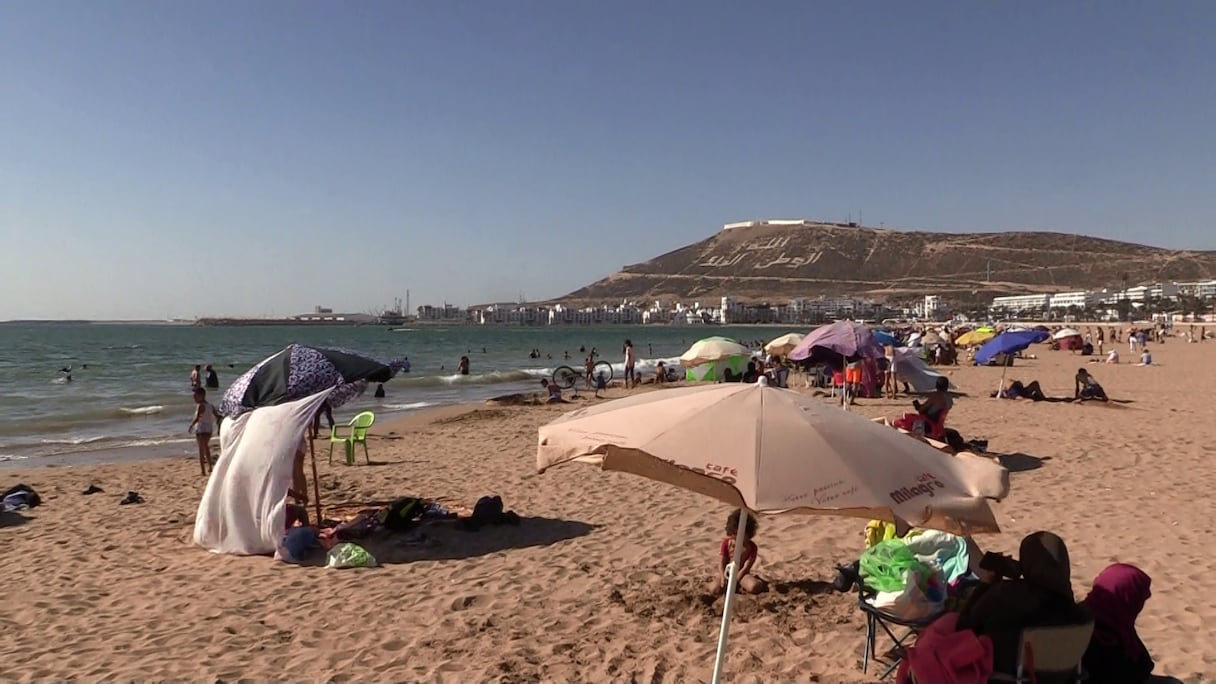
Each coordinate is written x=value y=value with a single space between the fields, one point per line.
x=1042 y=595
x=1116 y=655
x=1087 y=387
x=213 y=380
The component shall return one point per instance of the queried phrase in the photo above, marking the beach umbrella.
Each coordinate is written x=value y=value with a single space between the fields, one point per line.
x=783 y=345
x=712 y=349
x=299 y=371
x=771 y=450
x=1065 y=332
x=845 y=339
x=975 y=337
x=1008 y=343
x=842 y=338
x=931 y=338
x=885 y=338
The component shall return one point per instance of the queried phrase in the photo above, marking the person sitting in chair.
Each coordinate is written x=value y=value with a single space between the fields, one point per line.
x=1037 y=591
x=938 y=403
x=1116 y=654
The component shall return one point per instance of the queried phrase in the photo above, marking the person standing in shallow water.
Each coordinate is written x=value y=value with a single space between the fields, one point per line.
x=195 y=380
x=463 y=366
x=630 y=377
x=212 y=380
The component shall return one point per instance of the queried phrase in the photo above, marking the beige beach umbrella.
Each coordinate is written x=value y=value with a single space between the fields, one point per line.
x=772 y=450
x=712 y=349
x=930 y=338
x=783 y=345
x=1065 y=332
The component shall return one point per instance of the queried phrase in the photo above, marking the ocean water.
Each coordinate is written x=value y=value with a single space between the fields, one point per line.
x=130 y=384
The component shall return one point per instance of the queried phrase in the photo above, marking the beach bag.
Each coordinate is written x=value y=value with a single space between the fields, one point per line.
x=401 y=513
x=943 y=654
x=921 y=594
x=349 y=555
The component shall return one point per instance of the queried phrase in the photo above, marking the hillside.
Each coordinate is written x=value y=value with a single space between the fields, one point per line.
x=774 y=261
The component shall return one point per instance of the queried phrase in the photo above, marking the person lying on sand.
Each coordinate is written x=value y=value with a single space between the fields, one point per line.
x=1016 y=390
x=748 y=583
x=1087 y=387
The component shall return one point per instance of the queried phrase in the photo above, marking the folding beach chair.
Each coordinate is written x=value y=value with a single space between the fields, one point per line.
x=891 y=624
x=1055 y=651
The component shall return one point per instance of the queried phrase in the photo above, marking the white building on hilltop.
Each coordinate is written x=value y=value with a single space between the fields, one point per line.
x=1015 y=303
x=1081 y=300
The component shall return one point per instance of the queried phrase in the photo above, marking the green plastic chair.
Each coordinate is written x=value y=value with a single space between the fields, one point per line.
x=358 y=435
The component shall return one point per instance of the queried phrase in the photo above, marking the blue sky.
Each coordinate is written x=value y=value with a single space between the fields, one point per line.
x=174 y=158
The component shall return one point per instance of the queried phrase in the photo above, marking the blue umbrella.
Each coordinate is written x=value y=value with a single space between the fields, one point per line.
x=1008 y=343
x=885 y=338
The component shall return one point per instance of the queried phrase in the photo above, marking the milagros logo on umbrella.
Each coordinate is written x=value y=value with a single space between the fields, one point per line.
x=926 y=484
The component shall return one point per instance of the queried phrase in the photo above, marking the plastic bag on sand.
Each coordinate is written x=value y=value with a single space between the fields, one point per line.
x=883 y=565
x=922 y=596
x=349 y=556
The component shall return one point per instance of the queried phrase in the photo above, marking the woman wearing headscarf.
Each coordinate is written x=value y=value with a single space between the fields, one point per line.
x=1116 y=655
x=1002 y=608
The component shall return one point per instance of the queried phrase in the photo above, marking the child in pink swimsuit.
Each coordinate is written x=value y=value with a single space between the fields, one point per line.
x=748 y=583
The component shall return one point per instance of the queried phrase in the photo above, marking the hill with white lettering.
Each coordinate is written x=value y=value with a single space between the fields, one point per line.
x=775 y=261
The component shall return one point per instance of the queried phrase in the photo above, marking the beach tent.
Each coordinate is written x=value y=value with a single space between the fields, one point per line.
x=243 y=509
x=1071 y=342
x=913 y=370
x=714 y=371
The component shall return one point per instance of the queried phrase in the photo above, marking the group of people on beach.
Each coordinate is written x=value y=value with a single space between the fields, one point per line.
x=996 y=598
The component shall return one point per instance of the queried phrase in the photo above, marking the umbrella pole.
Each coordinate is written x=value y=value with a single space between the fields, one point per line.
x=1000 y=387
x=732 y=577
x=844 y=394
x=316 y=484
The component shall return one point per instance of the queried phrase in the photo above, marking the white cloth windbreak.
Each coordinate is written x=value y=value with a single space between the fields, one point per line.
x=243 y=509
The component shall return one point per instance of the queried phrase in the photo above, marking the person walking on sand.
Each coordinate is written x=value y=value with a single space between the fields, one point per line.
x=630 y=376
x=194 y=377
x=203 y=426
x=212 y=380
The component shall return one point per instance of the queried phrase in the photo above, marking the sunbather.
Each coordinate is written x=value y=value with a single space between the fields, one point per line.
x=1017 y=390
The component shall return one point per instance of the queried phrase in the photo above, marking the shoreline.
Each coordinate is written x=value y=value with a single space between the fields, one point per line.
x=388 y=425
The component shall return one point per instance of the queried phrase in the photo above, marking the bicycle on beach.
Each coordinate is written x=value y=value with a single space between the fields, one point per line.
x=566 y=377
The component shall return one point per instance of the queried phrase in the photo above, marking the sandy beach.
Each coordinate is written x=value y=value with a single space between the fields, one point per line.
x=601 y=580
